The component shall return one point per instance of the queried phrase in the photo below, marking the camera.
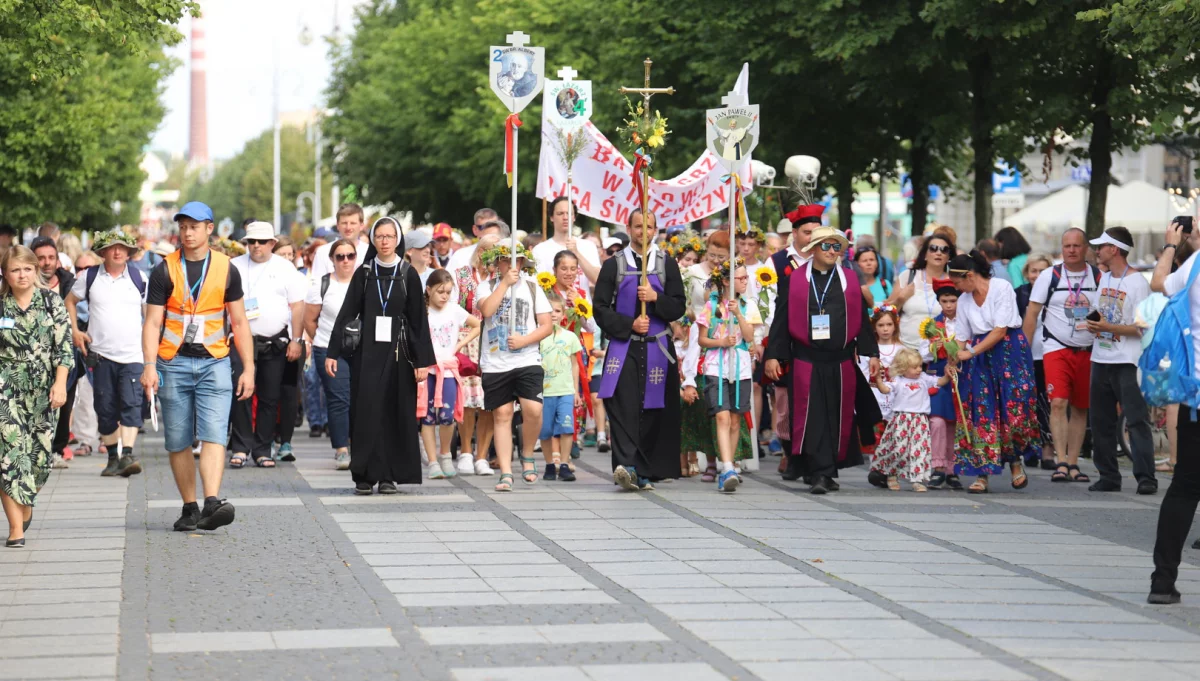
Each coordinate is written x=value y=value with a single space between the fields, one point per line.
x=1184 y=221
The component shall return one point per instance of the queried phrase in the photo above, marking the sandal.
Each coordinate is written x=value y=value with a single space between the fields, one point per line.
x=710 y=474
x=505 y=484
x=919 y=487
x=83 y=450
x=1061 y=472
x=683 y=466
x=937 y=479
x=953 y=482
x=693 y=467
x=237 y=460
x=264 y=462
x=1015 y=467
x=529 y=475
x=1165 y=467
x=1079 y=476
x=893 y=483
x=980 y=486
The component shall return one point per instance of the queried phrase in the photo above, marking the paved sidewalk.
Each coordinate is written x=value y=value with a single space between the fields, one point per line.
x=579 y=581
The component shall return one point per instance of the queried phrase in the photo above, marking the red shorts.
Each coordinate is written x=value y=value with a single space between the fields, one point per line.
x=1068 y=376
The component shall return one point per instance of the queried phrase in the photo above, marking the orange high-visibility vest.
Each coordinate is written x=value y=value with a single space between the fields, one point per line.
x=208 y=309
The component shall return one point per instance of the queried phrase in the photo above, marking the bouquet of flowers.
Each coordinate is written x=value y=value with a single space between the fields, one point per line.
x=641 y=130
x=546 y=280
x=942 y=345
x=765 y=276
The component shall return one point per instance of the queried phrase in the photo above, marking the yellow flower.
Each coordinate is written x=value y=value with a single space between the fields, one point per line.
x=655 y=141
x=928 y=329
x=546 y=280
x=675 y=239
x=766 y=276
x=582 y=308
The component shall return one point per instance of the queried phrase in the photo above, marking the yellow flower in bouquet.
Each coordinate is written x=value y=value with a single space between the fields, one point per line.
x=582 y=308
x=766 y=276
x=546 y=280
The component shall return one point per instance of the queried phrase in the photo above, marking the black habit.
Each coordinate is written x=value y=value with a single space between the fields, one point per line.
x=646 y=439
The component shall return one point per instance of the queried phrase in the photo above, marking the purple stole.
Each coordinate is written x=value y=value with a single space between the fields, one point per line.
x=657 y=360
x=799 y=324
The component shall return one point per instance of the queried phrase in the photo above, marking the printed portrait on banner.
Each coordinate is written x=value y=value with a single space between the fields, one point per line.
x=567 y=103
x=732 y=133
x=516 y=74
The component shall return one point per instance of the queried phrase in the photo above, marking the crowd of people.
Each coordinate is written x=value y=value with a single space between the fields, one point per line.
x=659 y=348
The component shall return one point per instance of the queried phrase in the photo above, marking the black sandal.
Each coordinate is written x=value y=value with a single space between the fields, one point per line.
x=1079 y=476
x=264 y=462
x=1023 y=476
x=937 y=479
x=953 y=482
x=1061 y=473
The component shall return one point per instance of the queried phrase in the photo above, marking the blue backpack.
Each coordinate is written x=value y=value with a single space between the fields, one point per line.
x=1168 y=363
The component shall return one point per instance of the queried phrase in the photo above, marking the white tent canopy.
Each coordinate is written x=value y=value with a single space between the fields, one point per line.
x=1139 y=206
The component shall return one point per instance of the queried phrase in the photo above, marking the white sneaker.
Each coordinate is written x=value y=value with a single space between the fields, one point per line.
x=602 y=443
x=482 y=467
x=465 y=464
x=342 y=461
x=56 y=461
x=435 y=471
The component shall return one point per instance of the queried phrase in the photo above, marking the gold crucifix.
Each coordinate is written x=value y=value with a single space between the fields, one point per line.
x=646 y=92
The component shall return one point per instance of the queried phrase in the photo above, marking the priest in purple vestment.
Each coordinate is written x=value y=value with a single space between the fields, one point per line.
x=639 y=382
x=820 y=327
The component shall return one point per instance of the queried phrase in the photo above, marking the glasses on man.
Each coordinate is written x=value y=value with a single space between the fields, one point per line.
x=613 y=251
x=343 y=257
x=938 y=248
x=258 y=242
x=831 y=246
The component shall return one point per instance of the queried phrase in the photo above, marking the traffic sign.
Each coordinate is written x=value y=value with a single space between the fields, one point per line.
x=1005 y=180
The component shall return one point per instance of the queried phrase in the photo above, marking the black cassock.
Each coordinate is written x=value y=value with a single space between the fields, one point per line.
x=647 y=439
x=820 y=452
x=383 y=389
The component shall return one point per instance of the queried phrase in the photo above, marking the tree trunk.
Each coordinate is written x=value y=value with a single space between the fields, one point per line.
x=1100 y=146
x=844 y=186
x=918 y=172
x=982 y=142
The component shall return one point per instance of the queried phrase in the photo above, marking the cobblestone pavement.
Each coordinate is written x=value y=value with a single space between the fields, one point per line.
x=579 y=581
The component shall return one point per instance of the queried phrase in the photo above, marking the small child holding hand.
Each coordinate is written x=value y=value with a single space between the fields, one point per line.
x=905 y=446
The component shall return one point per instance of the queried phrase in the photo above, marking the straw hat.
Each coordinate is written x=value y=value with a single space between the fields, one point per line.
x=826 y=233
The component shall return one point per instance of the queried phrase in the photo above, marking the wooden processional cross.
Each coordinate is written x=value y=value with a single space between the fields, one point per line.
x=646 y=92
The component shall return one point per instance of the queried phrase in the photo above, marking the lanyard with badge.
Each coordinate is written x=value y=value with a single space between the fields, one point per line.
x=820 y=322
x=1076 y=313
x=252 y=310
x=383 y=323
x=1111 y=311
x=193 y=293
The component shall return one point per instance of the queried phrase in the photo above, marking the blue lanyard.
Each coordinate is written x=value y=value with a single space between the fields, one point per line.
x=193 y=291
x=821 y=296
x=383 y=301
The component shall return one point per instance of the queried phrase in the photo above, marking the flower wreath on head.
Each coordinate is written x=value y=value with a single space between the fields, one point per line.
x=718 y=274
x=755 y=233
x=683 y=242
x=502 y=252
x=885 y=308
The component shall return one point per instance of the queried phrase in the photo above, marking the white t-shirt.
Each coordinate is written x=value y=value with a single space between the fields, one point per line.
x=737 y=364
x=497 y=358
x=331 y=305
x=270 y=289
x=461 y=258
x=65 y=261
x=323 y=264
x=922 y=305
x=999 y=309
x=1066 y=310
x=113 y=304
x=444 y=325
x=1118 y=301
x=887 y=353
x=773 y=291
x=1174 y=284
x=911 y=395
x=543 y=256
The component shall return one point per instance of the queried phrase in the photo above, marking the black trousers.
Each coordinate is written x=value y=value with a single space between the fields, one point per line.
x=1178 y=505
x=62 y=433
x=289 y=399
x=255 y=436
x=1113 y=383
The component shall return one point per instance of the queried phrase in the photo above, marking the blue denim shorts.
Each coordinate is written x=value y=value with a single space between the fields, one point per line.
x=558 y=416
x=196 y=394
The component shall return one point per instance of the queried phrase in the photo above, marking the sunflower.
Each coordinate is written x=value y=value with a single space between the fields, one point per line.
x=928 y=329
x=546 y=280
x=766 y=276
x=582 y=308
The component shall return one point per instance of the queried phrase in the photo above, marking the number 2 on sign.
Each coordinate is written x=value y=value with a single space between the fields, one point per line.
x=496 y=55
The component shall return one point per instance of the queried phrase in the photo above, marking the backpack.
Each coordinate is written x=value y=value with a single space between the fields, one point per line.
x=1168 y=362
x=325 y=286
x=134 y=275
x=660 y=269
x=1055 y=278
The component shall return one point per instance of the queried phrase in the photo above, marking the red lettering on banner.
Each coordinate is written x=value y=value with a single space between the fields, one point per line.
x=623 y=215
x=688 y=197
x=606 y=208
x=550 y=183
x=719 y=193
x=708 y=162
x=603 y=153
x=668 y=197
x=632 y=196
x=619 y=162
x=612 y=182
x=584 y=203
x=657 y=206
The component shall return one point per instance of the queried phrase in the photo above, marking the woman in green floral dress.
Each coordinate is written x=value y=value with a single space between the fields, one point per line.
x=35 y=357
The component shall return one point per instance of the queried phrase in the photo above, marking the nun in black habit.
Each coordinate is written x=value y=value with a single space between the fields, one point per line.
x=385 y=295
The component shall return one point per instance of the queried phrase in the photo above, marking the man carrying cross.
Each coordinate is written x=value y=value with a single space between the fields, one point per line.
x=640 y=380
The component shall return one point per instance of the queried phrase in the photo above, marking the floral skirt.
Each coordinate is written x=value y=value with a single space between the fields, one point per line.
x=699 y=430
x=905 y=451
x=999 y=398
x=470 y=388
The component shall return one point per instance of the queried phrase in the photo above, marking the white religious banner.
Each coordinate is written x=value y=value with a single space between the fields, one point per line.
x=567 y=103
x=516 y=71
x=602 y=183
x=732 y=133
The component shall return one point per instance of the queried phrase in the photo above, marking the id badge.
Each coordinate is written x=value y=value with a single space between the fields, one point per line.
x=8 y=323
x=1107 y=340
x=820 y=327
x=1079 y=316
x=252 y=311
x=189 y=335
x=383 y=329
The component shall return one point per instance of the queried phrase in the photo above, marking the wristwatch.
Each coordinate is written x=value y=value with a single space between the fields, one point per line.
x=1175 y=246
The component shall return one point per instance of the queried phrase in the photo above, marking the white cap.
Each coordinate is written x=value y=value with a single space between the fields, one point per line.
x=784 y=226
x=1107 y=238
x=260 y=230
x=610 y=241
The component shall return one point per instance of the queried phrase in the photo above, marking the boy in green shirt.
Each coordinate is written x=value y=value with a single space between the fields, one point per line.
x=560 y=391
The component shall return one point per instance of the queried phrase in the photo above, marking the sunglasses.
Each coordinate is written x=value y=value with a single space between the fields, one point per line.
x=343 y=257
x=258 y=242
x=934 y=248
x=831 y=246
x=614 y=250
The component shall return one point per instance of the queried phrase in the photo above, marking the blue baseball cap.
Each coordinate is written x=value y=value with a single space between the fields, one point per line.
x=194 y=210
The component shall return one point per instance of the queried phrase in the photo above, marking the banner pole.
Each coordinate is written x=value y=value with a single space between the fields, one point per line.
x=512 y=303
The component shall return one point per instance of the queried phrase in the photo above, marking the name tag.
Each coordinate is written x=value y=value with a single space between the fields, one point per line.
x=252 y=311
x=383 y=329
x=189 y=335
x=7 y=323
x=1079 y=316
x=820 y=327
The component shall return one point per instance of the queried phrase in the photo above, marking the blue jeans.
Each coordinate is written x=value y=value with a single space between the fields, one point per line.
x=337 y=398
x=196 y=394
x=314 y=395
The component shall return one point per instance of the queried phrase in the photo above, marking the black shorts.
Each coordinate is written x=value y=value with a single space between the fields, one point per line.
x=504 y=388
